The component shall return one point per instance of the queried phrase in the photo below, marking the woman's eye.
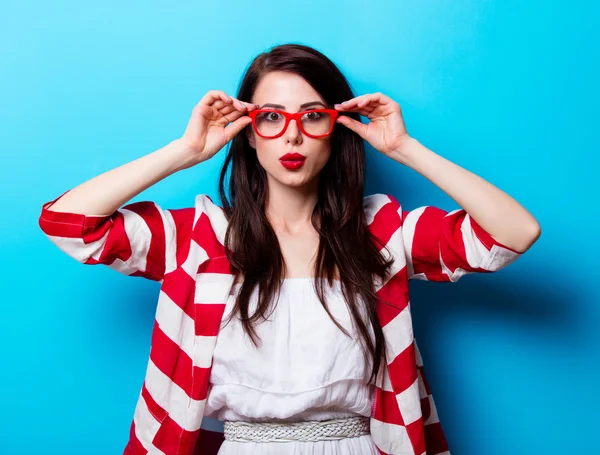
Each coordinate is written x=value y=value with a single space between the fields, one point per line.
x=312 y=115
x=273 y=116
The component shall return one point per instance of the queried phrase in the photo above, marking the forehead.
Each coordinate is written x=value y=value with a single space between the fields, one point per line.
x=287 y=89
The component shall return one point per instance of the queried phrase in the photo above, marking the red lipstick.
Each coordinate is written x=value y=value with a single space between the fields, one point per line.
x=292 y=160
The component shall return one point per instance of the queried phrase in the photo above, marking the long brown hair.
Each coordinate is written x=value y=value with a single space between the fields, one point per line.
x=345 y=240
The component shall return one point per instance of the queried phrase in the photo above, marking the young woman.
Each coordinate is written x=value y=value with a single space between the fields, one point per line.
x=285 y=313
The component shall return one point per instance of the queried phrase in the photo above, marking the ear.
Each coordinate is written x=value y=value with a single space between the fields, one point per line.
x=250 y=136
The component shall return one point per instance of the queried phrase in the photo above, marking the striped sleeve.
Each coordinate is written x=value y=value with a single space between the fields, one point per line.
x=139 y=239
x=444 y=246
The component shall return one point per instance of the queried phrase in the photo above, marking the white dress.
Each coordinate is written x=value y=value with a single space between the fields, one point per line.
x=305 y=369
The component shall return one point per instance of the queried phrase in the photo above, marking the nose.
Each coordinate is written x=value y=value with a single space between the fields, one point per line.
x=293 y=133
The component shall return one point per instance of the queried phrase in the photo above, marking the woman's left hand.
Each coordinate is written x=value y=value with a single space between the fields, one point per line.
x=386 y=130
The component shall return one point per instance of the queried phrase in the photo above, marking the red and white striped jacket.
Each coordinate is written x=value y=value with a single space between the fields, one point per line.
x=183 y=250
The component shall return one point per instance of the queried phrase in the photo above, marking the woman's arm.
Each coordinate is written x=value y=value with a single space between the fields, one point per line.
x=140 y=239
x=495 y=211
x=499 y=214
x=104 y=194
x=208 y=130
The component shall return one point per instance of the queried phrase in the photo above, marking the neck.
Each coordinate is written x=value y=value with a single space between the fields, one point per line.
x=289 y=209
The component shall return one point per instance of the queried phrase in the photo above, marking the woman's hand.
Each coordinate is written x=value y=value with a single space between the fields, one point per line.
x=386 y=130
x=207 y=131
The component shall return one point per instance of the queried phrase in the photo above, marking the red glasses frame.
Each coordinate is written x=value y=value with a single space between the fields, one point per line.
x=289 y=116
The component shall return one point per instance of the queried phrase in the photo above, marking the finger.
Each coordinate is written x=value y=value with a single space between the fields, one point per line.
x=226 y=109
x=378 y=98
x=351 y=103
x=212 y=99
x=365 y=110
x=367 y=100
x=218 y=111
x=363 y=101
x=234 y=106
x=213 y=95
x=237 y=126
x=239 y=105
x=220 y=104
x=372 y=105
x=243 y=106
x=233 y=115
x=249 y=106
x=354 y=125
x=370 y=102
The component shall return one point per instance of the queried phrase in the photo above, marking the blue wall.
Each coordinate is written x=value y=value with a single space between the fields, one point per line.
x=507 y=90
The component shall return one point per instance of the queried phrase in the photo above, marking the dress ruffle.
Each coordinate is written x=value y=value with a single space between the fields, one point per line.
x=304 y=369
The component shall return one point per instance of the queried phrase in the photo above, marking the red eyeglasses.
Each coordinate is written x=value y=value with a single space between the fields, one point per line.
x=272 y=123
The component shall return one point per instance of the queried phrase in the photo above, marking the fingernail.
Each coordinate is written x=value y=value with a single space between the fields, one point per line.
x=337 y=105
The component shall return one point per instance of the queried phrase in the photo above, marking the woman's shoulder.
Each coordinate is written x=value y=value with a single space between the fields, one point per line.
x=210 y=216
x=380 y=204
x=373 y=204
x=204 y=203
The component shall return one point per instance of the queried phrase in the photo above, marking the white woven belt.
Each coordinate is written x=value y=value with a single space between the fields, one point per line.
x=312 y=430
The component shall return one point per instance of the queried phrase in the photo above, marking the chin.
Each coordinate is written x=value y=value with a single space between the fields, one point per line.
x=296 y=179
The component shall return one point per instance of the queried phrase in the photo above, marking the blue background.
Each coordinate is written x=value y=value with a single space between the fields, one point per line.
x=507 y=90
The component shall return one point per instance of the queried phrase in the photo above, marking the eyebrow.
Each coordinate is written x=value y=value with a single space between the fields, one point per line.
x=281 y=106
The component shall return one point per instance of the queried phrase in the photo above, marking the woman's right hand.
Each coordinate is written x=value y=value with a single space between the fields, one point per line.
x=207 y=131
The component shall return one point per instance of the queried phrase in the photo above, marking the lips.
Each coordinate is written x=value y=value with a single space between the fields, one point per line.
x=292 y=161
x=292 y=157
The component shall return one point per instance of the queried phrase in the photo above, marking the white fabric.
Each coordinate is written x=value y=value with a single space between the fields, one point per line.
x=304 y=369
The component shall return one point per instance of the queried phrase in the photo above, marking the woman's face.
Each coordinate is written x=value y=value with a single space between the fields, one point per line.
x=289 y=92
